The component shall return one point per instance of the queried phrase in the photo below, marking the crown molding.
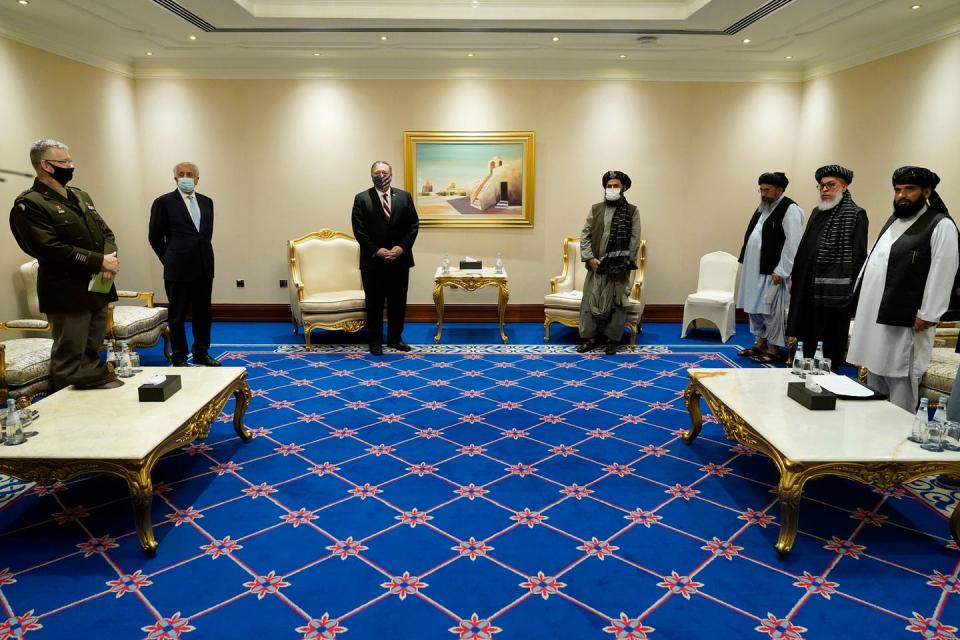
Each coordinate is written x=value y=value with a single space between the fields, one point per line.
x=59 y=48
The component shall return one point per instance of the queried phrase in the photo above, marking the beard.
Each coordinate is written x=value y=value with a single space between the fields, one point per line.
x=907 y=209
x=826 y=205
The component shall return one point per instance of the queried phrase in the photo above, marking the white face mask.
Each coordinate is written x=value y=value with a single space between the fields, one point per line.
x=612 y=195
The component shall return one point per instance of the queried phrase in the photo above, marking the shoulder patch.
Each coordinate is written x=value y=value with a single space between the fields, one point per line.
x=22 y=206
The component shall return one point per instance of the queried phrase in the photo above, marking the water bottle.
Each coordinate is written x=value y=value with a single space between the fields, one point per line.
x=920 y=422
x=940 y=415
x=445 y=263
x=798 y=358
x=499 y=263
x=818 y=356
x=111 y=354
x=126 y=371
x=135 y=361
x=14 y=428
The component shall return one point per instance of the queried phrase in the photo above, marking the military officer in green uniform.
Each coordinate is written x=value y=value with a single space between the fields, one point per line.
x=61 y=228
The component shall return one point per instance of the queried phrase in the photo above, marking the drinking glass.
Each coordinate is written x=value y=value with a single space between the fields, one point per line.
x=808 y=369
x=826 y=366
x=933 y=436
x=951 y=436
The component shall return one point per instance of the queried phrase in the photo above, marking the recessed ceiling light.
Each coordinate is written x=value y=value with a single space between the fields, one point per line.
x=746 y=41
x=383 y=37
x=149 y=53
x=622 y=56
x=788 y=58
x=914 y=7
x=193 y=37
x=469 y=55
x=24 y=2
x=556 y=39
x=316 y=55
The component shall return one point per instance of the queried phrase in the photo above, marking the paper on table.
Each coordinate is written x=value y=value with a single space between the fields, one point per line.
x=843 y=386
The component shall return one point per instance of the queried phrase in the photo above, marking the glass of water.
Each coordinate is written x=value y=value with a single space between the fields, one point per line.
x=933 y=436
x=826 y=366
x=951 y=436
x=808 y=368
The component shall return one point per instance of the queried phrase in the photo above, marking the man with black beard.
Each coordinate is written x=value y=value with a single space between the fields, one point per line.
x=831 y=252
x=60 y=227
x=905 y=287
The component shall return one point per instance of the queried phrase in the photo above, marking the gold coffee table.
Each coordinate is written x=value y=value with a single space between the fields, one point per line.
x=111 y=431
x=471 y=280
x=864 y=440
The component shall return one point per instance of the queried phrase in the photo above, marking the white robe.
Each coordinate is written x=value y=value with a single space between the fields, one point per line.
x=899 y=352
x=750 y=297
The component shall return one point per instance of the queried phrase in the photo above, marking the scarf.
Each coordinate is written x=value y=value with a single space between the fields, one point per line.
x=617 y=259
x=835 y=270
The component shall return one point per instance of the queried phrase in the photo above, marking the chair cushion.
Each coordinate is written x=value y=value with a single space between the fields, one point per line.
x=28 y=323
x=333 y=301
x=942 y=371
x=27 y=360
x=709 y=296
x=129 y=321
x=566 y=300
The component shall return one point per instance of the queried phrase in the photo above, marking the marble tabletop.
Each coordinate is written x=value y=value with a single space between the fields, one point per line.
x=485 y=272
x=856 y=431
x=108 y=424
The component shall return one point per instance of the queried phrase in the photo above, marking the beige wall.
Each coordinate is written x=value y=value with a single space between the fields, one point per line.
x=285 y=157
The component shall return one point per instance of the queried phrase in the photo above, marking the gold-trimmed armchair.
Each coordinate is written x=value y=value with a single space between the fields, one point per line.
x=138 y=326
x=326 y=291
x=25 y=362
x=562 y=304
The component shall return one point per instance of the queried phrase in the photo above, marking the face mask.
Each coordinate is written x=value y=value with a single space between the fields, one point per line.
x=612 y=195
x=61 y=175
x=381 y=182
x=187 y=185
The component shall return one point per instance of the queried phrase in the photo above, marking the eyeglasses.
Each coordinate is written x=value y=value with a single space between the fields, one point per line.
x=67 y=162
x=828 y=186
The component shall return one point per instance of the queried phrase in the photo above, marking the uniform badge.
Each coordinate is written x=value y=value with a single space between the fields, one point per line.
x=22 y=206
x=60 y=209
x=91 y=207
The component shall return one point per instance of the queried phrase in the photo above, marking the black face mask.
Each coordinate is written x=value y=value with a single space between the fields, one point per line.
x=908 y=210
x=61 y=175
x=381 y=182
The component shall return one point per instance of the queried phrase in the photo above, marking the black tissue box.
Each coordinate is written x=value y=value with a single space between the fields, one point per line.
x=823 y=401
x=472 y=264
x=159 y=392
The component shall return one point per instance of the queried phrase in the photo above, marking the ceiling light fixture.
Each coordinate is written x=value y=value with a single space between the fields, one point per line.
x=788 y=58
x=469 y=55
x=622 y=56
x=746 y=41
x=149 y=53
x=556 y=38
x=383 y=37
x=316 y=55
x=914 y=7
x=24 y=2
x=193 y=37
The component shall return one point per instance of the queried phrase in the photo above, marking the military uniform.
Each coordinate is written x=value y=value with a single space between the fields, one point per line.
x=69 y=239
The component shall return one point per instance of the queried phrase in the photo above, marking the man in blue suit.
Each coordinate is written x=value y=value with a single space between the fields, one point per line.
x=181 y=230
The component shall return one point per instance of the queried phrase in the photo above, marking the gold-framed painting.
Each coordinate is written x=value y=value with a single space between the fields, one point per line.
x=471 y=179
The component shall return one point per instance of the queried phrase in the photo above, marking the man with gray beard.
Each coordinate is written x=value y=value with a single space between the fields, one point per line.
x=831 y=252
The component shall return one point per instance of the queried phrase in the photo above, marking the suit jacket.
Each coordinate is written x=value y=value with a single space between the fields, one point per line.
x=68 y=238
x=374 y=232
x=186 y=254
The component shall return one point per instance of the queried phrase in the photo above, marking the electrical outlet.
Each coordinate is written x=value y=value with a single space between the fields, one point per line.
x=240 y=284
x=283 y=284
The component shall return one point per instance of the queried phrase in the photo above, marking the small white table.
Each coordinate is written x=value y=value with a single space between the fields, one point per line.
x=865 y=440
x=471 y=280
x=111 y=431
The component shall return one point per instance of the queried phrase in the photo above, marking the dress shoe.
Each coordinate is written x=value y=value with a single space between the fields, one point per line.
x=376 y=349
x=400 y=346
x=589 y=345
x=180 y=362
x=206 y=361
x=611 y=348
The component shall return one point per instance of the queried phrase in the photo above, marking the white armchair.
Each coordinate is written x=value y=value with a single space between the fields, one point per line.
x=562 y=304
x=326 y=291
x=138 y=326
x=713 y=300
x=25 y=362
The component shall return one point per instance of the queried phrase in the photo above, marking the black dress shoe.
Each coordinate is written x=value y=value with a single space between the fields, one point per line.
x=206 y=361
x=589 y=345
x=400 y=346
x=611 y=348
x=180 y=362
x=376 y=349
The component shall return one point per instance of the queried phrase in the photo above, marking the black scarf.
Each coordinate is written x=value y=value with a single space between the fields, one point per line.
x=835 y=270
x=617 y=259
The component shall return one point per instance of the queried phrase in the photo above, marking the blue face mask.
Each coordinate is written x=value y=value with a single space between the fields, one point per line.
x=187 y=185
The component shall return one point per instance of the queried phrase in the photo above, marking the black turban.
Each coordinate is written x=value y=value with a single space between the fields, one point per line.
x=776 y=178
x=617 y=175
x=836 y=171
x=916 y=175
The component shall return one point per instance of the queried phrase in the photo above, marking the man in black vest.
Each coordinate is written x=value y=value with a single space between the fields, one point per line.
x=769 y=246
x=905 y=287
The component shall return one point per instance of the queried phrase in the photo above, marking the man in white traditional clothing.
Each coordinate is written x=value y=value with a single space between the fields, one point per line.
x=769 y=246
x=905 y=287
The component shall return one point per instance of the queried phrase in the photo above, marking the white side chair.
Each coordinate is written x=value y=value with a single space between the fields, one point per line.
x=326 y=291
x=562 y=304
x=714 y=299
x=25 y=362
x=138 y=326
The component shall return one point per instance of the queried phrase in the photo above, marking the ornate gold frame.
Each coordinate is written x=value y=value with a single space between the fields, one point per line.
x=528 y=138
x=147 y=297
x=633 y=327
x=471 y=283
x=794 y=474
x=137 y=472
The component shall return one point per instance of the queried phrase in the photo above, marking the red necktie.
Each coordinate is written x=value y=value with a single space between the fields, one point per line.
x=386 y=206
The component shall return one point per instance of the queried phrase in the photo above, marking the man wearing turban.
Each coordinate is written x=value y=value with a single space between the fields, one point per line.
x=608 y=248
x=905 y=287
x=769 y=246
x=831 y=252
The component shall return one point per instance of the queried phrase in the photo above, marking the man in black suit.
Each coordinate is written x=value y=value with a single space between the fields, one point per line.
x=385 y=224
x=181 y=230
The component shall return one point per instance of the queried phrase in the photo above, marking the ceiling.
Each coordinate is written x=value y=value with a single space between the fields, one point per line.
x=726 y=40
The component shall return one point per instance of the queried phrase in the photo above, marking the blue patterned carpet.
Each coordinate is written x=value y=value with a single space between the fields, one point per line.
x=507 y=493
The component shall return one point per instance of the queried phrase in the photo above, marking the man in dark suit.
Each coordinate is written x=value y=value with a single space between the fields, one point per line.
x=181 y=230
x=385 y=224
